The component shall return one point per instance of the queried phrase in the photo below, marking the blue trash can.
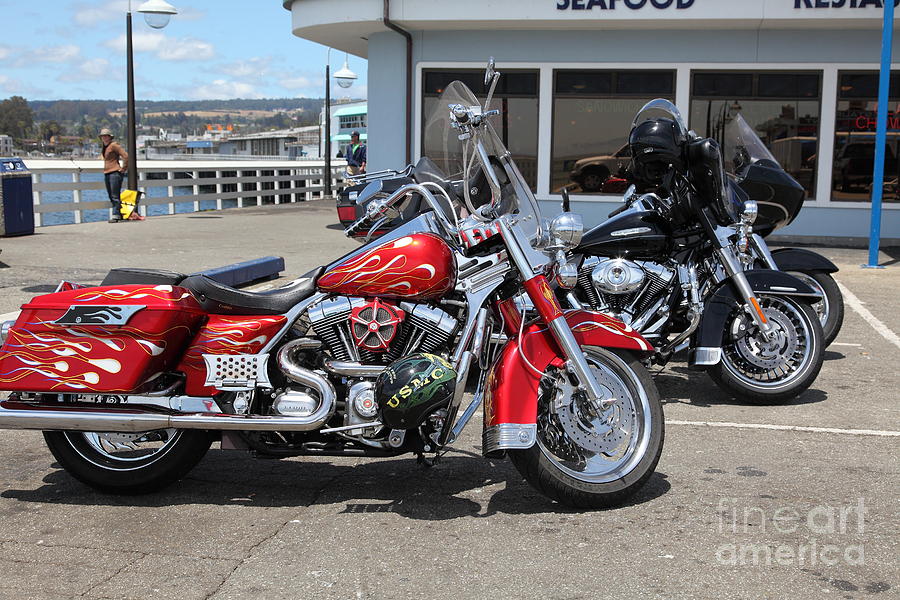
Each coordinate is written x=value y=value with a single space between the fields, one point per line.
x=16 y=199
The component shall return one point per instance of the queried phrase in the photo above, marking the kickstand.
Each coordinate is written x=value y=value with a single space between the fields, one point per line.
x=428 y=462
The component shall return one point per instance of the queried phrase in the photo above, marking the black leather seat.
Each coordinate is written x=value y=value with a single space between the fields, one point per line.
x=218 y=299
x=128 y=275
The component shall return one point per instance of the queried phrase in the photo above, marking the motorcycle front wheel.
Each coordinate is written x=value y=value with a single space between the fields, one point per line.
x=585 y=458
x=128 y=463
x=830 y=309
x=759 y=371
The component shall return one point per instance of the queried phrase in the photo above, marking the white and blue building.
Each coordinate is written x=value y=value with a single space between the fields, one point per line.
x=803 y=73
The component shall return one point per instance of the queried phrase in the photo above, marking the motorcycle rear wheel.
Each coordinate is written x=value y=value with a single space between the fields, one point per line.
x=123 y=463
x=595 y=460
x=759 y=372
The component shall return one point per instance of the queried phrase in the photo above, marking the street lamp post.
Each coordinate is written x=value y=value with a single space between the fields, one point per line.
x=156 y=14
x=345 y=78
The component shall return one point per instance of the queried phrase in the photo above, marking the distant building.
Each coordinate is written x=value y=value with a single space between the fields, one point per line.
x=6 y=145
x=285 y=143
x=346 y=117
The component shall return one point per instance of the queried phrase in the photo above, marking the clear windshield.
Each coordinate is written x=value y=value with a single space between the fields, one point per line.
x=742 y=147
x=459 y=159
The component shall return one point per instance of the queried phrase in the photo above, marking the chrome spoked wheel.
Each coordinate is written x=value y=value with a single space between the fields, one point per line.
x=590 y=445
x=128 y=463
x=127 y=450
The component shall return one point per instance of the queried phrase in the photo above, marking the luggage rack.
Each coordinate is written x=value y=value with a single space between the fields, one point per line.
x=377 y=175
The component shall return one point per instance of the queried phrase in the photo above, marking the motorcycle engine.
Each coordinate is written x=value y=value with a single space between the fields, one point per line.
x=623 y=288
x=376 y=331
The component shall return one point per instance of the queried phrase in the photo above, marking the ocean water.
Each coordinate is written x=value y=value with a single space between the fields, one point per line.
x=68 y=217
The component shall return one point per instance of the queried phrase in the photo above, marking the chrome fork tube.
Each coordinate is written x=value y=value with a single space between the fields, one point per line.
x=732 y=267
x=559 y=327
x=762 y=250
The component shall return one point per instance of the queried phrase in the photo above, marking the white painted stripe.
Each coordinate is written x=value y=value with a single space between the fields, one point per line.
x=10 y=316
x=855 y=303
x=870 y=432
x=846 y=344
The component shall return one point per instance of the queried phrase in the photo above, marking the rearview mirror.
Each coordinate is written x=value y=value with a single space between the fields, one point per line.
x=369 y=192
x=489 y=72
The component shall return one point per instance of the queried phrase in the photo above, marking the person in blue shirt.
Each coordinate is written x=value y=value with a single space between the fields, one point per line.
x=355 y=153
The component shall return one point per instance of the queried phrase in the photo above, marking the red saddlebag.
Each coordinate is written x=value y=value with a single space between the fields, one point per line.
x=109 y=339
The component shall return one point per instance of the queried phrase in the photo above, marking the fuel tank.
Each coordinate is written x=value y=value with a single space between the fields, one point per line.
x=417 y=266
x=633 y=233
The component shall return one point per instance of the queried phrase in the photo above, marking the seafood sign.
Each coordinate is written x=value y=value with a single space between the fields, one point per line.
x=66 y=342
x=416 y=266
x=225 y=335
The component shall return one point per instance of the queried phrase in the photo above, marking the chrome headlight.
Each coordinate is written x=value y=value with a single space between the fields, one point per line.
x=566 y=229
x=750 y=211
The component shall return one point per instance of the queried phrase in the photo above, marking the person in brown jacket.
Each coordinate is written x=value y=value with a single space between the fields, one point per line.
x=115 y=165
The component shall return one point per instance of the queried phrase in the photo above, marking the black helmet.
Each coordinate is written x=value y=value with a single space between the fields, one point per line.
x=656 y=144
x=411 y=388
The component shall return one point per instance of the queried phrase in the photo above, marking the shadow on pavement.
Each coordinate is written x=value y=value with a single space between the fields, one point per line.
x=680 y=385
x=399 y=486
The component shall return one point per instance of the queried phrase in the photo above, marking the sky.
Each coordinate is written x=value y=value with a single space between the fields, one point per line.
x=212 y=49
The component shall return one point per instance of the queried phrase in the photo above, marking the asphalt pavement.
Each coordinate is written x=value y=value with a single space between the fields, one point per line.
x=792 y=501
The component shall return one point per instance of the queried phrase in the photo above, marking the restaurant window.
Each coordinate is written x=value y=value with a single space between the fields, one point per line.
x=516 y=97
x=592 y=114
x=854 y=138
x=783 y=109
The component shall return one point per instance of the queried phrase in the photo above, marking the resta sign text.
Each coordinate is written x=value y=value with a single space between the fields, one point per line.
x=611 y=4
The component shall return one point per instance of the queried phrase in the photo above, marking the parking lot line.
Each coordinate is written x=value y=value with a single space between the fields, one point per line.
x=855 y=303
x=869 y=432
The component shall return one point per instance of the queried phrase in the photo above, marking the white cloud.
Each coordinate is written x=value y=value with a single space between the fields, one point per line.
x=224 y=88
x=255 y=67
x=186 y=49
x=90 y=14
x=296 y=83
x=90 y=70
x=164 y=47
x=4 y=52
x=50 y=54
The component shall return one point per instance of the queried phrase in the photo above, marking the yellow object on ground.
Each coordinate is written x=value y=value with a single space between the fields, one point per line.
x=129 y=200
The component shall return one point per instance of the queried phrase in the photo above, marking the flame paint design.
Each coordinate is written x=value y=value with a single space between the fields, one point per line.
x=230 y=335
x=419 y=265
x=72 y=358
x=159 y=292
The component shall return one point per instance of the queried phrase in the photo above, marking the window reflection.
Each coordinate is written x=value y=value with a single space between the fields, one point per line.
x=854 y=138
x=592 y=114
x=782 y=108
x=516 y=97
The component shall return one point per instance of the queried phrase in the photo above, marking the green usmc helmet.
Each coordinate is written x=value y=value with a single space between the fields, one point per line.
x=411 y=388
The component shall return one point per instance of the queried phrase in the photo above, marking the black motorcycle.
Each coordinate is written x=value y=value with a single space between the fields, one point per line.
x=779 y=198
x=668 y=264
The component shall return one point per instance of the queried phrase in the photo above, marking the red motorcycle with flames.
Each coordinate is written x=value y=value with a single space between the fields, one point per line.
x=369 y=356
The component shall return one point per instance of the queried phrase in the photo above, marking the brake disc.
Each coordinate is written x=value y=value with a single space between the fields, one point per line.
x=771 y=354
x=601 y=433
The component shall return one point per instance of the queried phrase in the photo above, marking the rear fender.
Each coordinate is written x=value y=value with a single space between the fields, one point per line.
x=707 y=346
x=510 y=402
x=800 y=259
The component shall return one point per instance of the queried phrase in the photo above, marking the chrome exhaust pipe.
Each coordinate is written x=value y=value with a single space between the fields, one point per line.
x=21 y=415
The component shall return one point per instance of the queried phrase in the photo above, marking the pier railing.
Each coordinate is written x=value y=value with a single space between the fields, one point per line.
x=197 y=184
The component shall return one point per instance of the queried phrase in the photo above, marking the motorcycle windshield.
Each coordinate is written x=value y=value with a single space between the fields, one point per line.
x=742 y=147
x=459 y=159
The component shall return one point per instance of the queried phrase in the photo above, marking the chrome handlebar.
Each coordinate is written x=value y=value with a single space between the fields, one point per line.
x=378 y=207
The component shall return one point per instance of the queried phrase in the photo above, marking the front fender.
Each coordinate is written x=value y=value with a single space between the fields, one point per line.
x=510 y=401
x=800 y=259
x=708 y=337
